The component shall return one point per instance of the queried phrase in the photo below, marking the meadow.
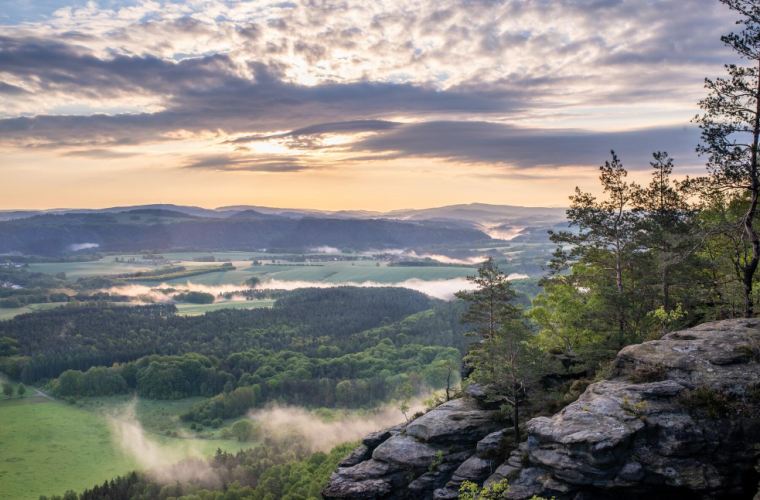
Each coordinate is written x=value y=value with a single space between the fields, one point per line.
x=325 y=272
x=48 y=447
x=11 y=313
x=182 y=309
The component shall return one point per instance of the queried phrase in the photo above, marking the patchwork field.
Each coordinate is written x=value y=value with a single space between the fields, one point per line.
x=183 y=309
x=10 y=313
x=327 y=272
x=48 y=447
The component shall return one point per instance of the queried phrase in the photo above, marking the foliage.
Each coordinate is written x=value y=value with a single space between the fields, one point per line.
x=245 y=430
x=491 y=303
x=705 y=402
x=303 y=321
x=505 y=362
x=195 y=297
x=437 y=460
x=731 y=137
x=470 y=491
x=284 y=469
x=171 y=273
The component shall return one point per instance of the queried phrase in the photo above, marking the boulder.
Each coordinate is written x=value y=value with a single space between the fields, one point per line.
x=418 y=459
x=642 y=433
x=460 y=421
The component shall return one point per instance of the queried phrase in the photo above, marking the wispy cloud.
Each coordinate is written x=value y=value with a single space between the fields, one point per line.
x=288 y=87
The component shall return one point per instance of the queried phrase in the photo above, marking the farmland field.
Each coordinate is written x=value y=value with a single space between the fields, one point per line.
x=11 y=313
x=194 y=309
x=182 y=309
x=327 y=272
x=49 y=447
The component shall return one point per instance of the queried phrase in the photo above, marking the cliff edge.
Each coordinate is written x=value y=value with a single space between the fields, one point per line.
x=676 y=418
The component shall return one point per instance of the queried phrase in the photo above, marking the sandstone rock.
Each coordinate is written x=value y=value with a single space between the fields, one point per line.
x=628 y=437
x=634 y=440
x=490 y=446
x=459 y=421
x=396 y=462
x=359 y=455
x=406 y=451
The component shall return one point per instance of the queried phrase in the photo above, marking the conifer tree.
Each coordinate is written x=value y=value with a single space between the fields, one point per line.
x=731 y=133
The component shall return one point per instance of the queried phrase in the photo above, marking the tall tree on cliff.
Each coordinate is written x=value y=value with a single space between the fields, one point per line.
x=504 y=362
x=669 y=235
x=490 y=303
x=731 y=134
x=607 y=239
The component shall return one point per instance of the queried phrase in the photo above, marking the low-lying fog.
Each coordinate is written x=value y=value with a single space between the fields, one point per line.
x=441 y=289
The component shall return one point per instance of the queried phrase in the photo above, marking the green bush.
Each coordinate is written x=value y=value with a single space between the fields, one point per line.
x=705 y=402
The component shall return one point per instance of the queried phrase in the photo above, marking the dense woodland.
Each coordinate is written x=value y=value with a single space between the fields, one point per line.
x=345 y=347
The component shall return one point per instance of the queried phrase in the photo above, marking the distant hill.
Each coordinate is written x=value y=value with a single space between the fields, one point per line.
x=117 y=232
x=159 y=212
x=167 y=226
x=252 y=214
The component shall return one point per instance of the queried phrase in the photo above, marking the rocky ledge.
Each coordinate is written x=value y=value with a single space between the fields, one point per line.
x=676 y=419
x=457 y=440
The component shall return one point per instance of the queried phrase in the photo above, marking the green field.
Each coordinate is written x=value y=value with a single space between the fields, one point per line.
x=195 y=309
x=328 y=272
x=10 y=313
x=49 y=447
x=183 y=309
x=153 y=414
x=323 y=272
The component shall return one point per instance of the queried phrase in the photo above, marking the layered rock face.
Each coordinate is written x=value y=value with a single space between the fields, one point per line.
x=677 y=419
x=455 y=441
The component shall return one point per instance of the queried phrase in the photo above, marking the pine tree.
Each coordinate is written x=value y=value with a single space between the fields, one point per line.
x=731 y=133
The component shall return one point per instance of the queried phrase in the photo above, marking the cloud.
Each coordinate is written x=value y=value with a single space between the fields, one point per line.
x=525 y=148
x=350 y=127
x=460 y=81
x=255 y=163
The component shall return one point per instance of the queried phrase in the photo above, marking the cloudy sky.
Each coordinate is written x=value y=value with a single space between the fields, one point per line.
x=344 y=104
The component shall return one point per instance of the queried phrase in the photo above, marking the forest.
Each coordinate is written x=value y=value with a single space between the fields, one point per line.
x=344 y=347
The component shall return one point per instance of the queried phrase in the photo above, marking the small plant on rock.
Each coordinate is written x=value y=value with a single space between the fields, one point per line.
x=437 y=460
x=705 y=402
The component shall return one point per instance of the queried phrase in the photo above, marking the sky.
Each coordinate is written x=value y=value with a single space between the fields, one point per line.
x=342 y=104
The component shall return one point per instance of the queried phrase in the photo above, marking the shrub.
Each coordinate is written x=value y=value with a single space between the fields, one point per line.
x=705 y=402
x=645 y=374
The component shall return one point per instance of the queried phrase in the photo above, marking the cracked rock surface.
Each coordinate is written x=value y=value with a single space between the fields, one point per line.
x=396 y=464
x=623 y=439
x=632 y=436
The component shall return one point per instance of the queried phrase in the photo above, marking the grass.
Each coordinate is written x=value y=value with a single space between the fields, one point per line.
x=184 y=309
x=157 y=416
x=328 y=272
x=196 y=309
x=11 y=313
x=48 y=447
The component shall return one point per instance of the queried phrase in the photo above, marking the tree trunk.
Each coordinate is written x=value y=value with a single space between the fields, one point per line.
x=665 y=297
x=749 y=219
x=516 y=420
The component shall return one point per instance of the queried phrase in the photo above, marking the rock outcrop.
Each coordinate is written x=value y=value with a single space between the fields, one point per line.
x=676 y=419
x=449 y=444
